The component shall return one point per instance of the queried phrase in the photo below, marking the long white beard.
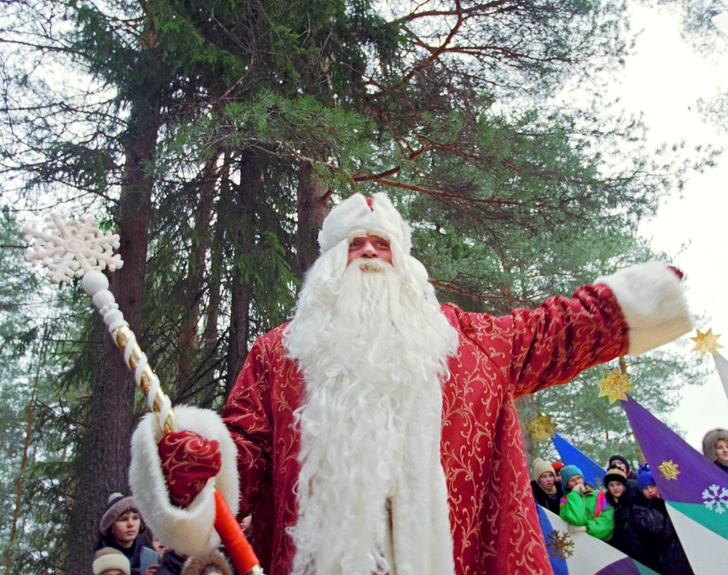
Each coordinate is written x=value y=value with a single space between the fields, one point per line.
x=373 y=347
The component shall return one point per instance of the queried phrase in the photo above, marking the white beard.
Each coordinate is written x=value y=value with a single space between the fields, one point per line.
x=373 y=345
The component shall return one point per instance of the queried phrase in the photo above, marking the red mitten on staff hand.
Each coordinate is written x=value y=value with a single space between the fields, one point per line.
x=188 y=461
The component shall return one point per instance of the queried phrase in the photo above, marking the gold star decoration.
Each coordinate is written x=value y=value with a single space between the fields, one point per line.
x=669 y=470
x=560 y=544
x=541 y=427
x=615 y=385
x=706 y=342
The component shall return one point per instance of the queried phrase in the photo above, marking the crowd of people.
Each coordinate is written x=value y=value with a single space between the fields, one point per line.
x=127 y=547
x=629 y=512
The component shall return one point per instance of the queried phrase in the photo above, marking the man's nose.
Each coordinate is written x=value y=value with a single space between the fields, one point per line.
x=368 y=251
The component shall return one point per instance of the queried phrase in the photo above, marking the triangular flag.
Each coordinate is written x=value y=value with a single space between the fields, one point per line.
x=582 y=554
x=721 y=366
x=694 y=489
x=570 y=455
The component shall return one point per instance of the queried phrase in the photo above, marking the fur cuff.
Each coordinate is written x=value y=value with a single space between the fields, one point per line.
x=653 y=305
x=191 y=530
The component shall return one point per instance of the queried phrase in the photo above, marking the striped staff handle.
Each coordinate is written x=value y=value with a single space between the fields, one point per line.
x=79 y=249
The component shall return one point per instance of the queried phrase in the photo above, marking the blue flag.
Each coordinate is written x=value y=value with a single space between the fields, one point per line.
x=570 y=455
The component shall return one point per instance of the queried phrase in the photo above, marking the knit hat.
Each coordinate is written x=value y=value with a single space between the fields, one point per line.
x=644 y=477
x=618 y=458
x=557 y=466
x=359 y=216
x=710 y=440
x=197 y=565
x=109 y=558
x=567 y=473
x=117 y=505
x=540 y=467
x=615 y=474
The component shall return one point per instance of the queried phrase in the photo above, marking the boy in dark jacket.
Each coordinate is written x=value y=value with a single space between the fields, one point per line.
x=653 y=522
x=623 y=497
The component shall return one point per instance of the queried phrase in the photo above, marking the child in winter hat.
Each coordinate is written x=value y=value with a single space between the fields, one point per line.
x=110 y=561
x=212 y=564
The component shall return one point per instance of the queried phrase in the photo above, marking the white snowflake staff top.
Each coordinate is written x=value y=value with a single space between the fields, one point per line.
x=78 y=248
x=72 y=248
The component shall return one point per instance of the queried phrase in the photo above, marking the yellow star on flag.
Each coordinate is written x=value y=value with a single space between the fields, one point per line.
x=669 y=470
x=706 y=342
x=615 y=385
x=541 y=427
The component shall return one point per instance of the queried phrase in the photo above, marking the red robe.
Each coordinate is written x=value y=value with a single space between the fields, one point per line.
x=493 y=518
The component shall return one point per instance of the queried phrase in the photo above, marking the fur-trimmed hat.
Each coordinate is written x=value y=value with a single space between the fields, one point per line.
x=198 y=565
x=540 y=467
x=617 y=457
x=117 y=505
x=615 y=474
x=567 y=473
x=360 y=216
x=109 y=558
x=710 y=440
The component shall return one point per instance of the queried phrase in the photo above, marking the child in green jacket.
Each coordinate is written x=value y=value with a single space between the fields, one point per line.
x=585 y=508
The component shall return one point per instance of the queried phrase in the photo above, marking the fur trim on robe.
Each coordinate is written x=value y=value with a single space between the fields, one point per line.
x=190 y=531
x=653 y=304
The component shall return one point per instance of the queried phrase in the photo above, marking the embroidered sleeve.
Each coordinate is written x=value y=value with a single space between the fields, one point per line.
x=552 y=344
x=248 y=418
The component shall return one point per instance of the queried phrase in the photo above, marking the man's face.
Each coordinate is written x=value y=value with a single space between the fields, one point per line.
x=546 y=480
x=619 y=465
x=368 y=247
x=651 y=491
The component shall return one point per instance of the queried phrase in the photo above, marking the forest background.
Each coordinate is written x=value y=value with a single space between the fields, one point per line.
x=214 y=135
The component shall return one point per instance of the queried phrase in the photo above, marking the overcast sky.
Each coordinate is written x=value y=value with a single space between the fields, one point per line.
x=662 y=80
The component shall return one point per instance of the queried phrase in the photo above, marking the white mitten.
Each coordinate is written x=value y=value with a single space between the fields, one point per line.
x=574 y=529
x=580 y=488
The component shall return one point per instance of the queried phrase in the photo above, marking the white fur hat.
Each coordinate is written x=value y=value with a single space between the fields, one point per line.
x=360 y=216
x=109 y=558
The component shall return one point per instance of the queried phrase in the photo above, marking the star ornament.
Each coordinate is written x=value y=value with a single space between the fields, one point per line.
x=560 y=544
x=615 y=385
x=669 y=470
x=541 y=427
x=706 y=342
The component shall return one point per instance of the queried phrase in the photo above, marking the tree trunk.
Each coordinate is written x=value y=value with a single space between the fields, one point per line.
x=312 y=207
x=104 y=451
x=188 y=339
x=250 y=188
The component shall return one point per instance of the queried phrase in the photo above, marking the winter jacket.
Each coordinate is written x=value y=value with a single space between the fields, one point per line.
x=626 y=536
x=591 y=510
x=139 y=556
x=550 y=502
x=653 y=521
x=172 y=563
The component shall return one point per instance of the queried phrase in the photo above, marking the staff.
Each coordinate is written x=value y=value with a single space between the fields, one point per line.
x=79 y=249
